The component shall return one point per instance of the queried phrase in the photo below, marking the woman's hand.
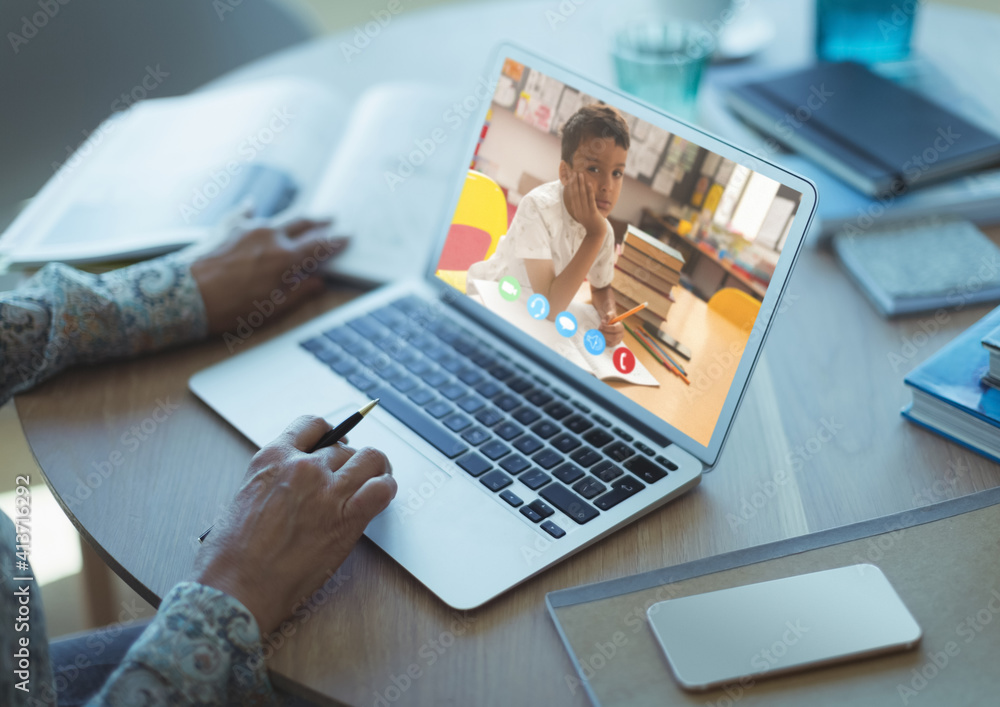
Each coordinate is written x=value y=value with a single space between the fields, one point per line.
x=266 y=269
x=296 y=519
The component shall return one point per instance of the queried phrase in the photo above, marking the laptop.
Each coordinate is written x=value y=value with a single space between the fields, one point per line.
x=515 y=443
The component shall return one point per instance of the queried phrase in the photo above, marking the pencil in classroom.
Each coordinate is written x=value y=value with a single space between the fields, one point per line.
x=629 y=313
x=664 y=353
x=647 y=341
x=656 y=356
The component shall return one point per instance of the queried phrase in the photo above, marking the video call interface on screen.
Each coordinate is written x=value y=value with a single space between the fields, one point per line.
x=575 y=213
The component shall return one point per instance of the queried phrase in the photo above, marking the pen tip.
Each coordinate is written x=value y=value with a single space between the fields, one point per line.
x=368 y=408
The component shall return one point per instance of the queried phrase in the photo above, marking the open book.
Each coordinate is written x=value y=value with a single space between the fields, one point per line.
x=168 y=172
x=571 y=348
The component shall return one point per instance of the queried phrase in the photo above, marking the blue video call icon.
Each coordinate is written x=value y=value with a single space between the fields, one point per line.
x=594 y=342
x=538 y=306
x=566 y=324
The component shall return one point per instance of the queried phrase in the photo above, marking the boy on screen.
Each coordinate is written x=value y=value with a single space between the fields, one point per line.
x=560 y=234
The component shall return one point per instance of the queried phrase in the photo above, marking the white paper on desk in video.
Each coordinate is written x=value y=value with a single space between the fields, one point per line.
x=571 y=348
x=603 y=365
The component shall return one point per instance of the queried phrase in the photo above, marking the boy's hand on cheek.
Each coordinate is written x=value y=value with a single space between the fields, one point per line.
x=581 y=203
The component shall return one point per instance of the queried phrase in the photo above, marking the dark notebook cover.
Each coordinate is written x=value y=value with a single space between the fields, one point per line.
x=873 y=133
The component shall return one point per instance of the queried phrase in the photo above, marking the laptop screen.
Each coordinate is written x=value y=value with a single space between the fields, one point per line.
x=637 y=255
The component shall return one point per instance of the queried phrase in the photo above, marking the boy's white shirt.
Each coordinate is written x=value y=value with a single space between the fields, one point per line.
x=542 y=229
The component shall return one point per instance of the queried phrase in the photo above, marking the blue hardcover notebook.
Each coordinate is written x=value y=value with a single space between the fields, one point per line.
x=949 y=396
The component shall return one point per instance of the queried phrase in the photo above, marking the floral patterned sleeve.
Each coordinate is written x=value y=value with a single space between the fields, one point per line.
x=203 y=648
x=63 y=316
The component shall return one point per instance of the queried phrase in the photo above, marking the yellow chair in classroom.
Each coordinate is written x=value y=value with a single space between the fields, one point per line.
x=481 y=211
x=736 y=306
x=483 y=205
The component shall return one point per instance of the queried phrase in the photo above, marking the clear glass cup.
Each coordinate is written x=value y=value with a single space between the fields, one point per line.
x=867 y=31
x=661 y=62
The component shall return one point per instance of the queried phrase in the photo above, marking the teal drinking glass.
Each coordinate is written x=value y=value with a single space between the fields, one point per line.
x=866 y=31
x=662 y=62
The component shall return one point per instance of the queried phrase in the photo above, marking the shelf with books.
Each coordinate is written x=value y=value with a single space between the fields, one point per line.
x=696 y=251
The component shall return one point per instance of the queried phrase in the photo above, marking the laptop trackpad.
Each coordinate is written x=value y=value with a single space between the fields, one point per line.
x=455 y=539
x=413 y=471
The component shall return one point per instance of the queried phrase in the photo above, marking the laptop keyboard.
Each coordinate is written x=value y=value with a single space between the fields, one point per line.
x=522 y=438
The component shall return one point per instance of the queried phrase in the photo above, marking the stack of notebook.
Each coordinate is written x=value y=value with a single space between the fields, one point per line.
x=954 y=392
x=991 y=342
x=646 y=271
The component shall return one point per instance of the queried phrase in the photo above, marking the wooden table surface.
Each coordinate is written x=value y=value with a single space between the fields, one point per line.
x=143 y=467
x=818 y=442
x=711 y=338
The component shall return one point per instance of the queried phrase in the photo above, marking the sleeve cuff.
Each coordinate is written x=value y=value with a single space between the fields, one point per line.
x=203 y=648
x=158 y=302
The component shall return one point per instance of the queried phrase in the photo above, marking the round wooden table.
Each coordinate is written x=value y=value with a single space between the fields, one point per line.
x=142 y=467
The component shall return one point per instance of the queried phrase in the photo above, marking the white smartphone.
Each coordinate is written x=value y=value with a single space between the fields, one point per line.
x=743 y=633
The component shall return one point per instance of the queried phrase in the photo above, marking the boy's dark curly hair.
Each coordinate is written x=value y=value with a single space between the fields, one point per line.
x=597 y=120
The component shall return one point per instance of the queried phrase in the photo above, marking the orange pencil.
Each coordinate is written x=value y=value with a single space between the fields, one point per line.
x=629 y=313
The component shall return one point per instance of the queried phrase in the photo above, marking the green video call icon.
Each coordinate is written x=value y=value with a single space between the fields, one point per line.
x=510 y=288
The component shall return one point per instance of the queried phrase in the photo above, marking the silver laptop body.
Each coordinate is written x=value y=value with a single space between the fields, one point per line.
x=459 y=537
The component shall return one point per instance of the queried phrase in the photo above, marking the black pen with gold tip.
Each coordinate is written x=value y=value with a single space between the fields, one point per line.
x=328 y=439
x=344 y=427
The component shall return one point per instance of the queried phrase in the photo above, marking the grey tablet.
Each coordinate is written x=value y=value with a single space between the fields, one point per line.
x=788 y=624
